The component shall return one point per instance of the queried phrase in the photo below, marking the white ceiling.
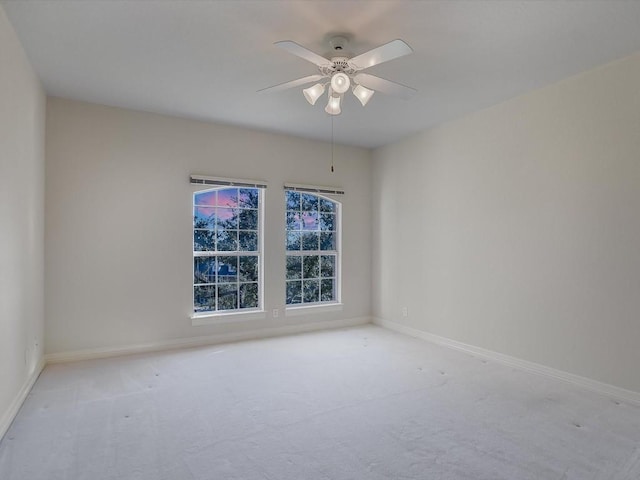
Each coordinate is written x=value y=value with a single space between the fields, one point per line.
x=206 y=59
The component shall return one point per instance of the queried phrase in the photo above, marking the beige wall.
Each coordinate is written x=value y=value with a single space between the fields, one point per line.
x=517 y=228
x=22 y=110
x=119 y=216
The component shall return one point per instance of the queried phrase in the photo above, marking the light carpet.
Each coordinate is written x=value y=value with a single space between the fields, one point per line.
x=359 y=403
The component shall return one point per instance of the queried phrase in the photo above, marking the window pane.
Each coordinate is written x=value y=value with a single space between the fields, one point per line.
x=293 y=240
x=294 y=292
x=227 y=218
x=227 y=241
x=327 y=205
x=204 y=298
x=311 y=266
x=248 y=241
x=311 y=228
x=327 y=221
x=310 y=240
x=311 y=291
x=248 y=220
x=204 y=217
x=204 y=240
x=227 y=269
x=327 y=241
x=310 y=220
x=228 y=296
x=248 y=198
x=327 y=265
x=293 y=200
x=228 y=197
x=248 y=295
x=293 y=221
x=204 y=269
x=309 y=202
x=326 y=289
x=205 y=198
x=294 y=267
x=248 y=269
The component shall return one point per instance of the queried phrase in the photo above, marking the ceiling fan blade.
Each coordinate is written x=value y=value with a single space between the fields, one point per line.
x=292 y=83
x=385 y=86
x=383 y=53
x=302 y=52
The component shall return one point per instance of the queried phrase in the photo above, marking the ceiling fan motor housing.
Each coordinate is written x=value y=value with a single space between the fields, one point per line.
x=338 y=64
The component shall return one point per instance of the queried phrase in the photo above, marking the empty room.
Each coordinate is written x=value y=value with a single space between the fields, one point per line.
x=319 y=240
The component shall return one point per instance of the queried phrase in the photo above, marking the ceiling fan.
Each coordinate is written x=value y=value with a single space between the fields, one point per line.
x=341 y=73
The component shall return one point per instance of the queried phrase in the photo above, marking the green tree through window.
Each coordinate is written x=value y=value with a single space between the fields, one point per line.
x=226 y=250
x=312 y=248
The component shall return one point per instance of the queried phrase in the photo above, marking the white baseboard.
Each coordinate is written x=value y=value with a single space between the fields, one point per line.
x=19 y=399
x=593 y=385
x=202 y=341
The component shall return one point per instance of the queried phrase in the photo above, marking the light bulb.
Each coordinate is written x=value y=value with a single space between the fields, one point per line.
x=313 y=93
x=363 y=94
x=340 y=82
x=333 y=106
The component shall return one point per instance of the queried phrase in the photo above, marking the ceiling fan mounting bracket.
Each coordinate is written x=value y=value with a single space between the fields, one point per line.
x=338 y=43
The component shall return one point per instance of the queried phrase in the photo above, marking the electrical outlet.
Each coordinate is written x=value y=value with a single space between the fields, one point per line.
x=405 y=311
x=276 y=313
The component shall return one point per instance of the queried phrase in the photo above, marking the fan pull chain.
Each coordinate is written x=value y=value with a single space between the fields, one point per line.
x=332 y=169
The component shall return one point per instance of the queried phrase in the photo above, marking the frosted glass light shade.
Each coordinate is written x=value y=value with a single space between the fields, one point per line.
x=363 y=94
x=333 y=106
x=313 y=93
x=340 y=82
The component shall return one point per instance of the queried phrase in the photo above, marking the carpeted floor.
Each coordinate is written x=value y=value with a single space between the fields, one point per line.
x=360 y=403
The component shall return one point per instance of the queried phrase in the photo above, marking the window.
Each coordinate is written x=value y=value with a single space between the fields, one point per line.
x=312 y=246
x=227 y=249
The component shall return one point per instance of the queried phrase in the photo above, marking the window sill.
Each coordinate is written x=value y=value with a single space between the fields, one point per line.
x=309 y=309
x=198 y=319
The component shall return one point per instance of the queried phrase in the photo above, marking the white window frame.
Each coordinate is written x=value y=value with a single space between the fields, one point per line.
x=331 y=194
x=204 y=184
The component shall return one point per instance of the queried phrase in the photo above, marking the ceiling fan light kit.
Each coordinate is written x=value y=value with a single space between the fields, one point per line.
x=312 y=94
x=340 y=82
x=363 y=94
x=333 y=105
x=342 y=73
